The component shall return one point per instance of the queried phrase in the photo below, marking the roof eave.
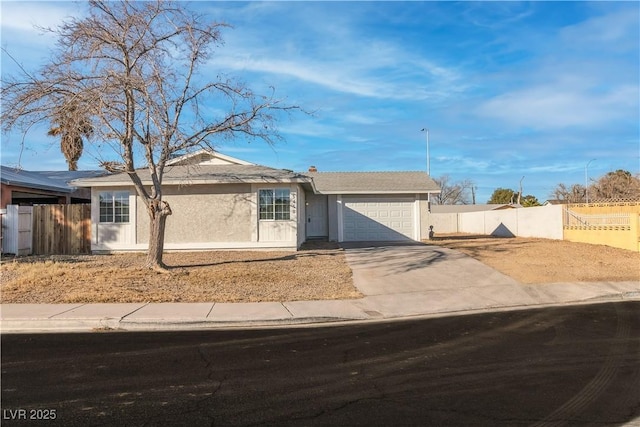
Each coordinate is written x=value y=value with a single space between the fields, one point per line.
x=43 y=187
x=266 y=180
x=328 y=192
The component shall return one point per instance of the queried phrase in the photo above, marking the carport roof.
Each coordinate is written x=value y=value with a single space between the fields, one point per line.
x=57 y=181
x=373 y=182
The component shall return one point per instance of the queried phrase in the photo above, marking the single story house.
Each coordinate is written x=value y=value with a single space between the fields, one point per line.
x=26 y=188
x=220 y=202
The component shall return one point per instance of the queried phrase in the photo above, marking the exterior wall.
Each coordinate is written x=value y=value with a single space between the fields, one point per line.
x=302 y=216
x=332 y=206
x=472 y=222
x=202 y=214
x=605 y=208
x=619 y=237
x=543 y=222
x=613 y=224
x=424 y=216
x=6 y=195
x=221 y=216
x=441 y=222
x=112 y=236
x=277 y=233
x=502 y=223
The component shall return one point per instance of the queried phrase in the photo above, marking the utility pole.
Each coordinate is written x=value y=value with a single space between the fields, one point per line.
x=428 y=156
x=586 y=180
x=520 y=192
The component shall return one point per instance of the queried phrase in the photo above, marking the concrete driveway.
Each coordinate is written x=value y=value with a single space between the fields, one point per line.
x=423 y=278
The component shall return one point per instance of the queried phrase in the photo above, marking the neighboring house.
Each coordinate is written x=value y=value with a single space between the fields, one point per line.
x=221 y=202
x=21 y=187
x=554 y=202
x=472 y=208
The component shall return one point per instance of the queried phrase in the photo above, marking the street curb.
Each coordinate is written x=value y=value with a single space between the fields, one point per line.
x=25 y=326
x=11 y=326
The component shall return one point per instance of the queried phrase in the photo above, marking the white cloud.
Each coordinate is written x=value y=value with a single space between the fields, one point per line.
x=25 y=16
x=555 y=106
x=355 y=77
x=361 y=119
x=462 y=163
x=554 y=168
x=616 y=30
x=327 y=76
x=310 y=128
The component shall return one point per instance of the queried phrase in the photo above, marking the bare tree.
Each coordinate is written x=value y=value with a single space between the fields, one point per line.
x=615 y=185
x=71 y=124
x=569 y=194
x=619 y=184
x=453 y=193
x=136 y=67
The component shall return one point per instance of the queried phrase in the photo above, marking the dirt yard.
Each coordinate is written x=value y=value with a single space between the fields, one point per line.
x=221 y=276
x=317 y=272
x=540 y=261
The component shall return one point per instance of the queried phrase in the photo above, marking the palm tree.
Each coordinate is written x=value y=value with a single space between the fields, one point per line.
x=71 y=125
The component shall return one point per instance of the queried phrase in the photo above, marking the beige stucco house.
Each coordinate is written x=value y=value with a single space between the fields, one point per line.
x=220 y=202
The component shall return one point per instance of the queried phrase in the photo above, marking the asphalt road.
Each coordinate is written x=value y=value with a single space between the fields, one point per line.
x=575 y=365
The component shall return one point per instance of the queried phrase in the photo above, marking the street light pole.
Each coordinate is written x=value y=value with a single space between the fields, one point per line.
x=586 y=180
x=428 y=156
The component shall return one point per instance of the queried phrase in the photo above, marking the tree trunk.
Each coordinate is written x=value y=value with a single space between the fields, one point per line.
x=158 y=213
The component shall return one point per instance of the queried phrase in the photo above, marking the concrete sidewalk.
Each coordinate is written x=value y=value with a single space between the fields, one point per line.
x=397 y=281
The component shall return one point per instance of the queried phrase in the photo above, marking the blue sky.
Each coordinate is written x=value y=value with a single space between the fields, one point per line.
x=506 y=89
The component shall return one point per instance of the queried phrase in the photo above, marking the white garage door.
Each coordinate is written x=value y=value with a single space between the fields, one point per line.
x=371 y=219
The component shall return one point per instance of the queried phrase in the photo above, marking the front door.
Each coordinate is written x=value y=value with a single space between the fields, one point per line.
x=317 y=224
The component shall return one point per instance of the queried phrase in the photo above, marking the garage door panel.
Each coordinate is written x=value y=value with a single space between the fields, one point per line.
x=366 y=219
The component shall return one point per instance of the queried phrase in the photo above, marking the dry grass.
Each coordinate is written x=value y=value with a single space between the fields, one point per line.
x=533 y=261
x=317 y=272
x=216 y=276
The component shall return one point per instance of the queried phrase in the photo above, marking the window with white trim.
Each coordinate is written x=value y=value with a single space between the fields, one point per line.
x=275 y=204
x=114 y=206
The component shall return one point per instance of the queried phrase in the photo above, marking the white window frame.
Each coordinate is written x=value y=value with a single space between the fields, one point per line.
x=118 y=195
x=274 y=205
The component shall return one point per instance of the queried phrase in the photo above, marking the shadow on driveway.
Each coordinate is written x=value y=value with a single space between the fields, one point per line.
x=390 y=268
x=396 y=257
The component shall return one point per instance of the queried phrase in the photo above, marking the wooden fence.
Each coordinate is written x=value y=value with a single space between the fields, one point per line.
x=61 y=229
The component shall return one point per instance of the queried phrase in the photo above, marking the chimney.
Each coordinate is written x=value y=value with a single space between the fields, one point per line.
x=313 y=169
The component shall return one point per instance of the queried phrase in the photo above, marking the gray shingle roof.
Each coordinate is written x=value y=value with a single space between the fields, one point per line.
x=324 y=182
x=373 y=182
x=203 y=174
x=44 y=180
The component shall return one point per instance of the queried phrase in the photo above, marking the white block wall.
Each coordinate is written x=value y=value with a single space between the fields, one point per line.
x=542 y=221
